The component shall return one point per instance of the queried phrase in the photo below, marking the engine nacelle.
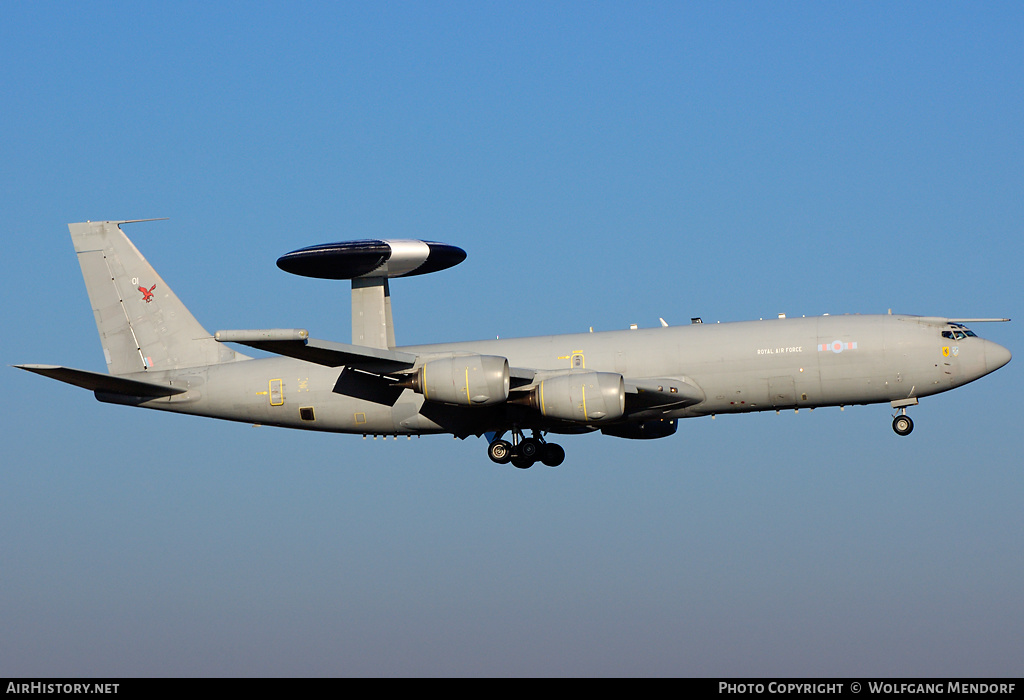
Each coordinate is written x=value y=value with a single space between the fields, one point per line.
x=647 y=430
x=466 y=380
x=581 y=397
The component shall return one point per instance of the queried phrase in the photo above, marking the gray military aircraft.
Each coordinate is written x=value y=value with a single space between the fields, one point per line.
x=629 y=384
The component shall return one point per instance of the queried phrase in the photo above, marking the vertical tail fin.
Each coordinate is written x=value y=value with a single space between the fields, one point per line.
x=143 y=326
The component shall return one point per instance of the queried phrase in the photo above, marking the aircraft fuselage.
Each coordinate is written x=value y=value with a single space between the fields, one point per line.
x=738 y=367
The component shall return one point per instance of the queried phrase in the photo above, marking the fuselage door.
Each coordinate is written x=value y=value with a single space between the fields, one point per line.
x=781 y=392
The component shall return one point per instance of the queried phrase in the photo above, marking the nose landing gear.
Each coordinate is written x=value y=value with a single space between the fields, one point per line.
x=524 y=452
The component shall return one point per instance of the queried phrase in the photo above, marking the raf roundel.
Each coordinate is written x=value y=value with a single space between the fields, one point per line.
x=371 y=258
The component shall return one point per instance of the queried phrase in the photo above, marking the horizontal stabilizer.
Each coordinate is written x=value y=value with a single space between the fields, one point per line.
x=290 y=343
x=262 y=335
x=102 y=382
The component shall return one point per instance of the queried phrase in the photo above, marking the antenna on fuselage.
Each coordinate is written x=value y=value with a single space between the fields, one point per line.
x=370 y=264
x=978 y=320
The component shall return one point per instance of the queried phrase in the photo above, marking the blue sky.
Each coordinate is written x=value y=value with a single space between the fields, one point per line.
x=602 y=164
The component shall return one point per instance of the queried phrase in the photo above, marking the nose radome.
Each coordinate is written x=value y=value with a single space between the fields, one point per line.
x=995 y=356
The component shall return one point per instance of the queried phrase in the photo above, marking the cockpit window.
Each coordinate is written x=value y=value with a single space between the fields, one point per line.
x=958 y=332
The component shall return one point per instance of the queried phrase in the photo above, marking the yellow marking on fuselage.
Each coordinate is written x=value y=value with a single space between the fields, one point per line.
x=575 y=353
x=280 y=389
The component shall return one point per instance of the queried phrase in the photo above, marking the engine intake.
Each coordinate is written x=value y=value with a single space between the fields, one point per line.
x=466 y=380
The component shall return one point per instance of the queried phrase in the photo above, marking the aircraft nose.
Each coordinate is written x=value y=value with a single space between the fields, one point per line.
x=995 y=356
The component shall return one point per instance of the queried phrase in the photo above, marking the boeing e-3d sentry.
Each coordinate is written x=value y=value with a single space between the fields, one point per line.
x=631 y=384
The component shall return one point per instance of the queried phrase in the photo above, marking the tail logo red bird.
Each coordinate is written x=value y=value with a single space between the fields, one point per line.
x=147 y=294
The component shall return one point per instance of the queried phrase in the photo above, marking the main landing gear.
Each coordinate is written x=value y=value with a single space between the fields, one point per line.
x=902 y=423
x=523 y=452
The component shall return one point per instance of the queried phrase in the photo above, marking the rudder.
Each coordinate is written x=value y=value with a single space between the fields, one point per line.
x=143 y=326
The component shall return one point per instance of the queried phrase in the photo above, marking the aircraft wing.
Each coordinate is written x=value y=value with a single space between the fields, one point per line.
x=521 y=376
x=642 y=394
x=660 y=392
x=107 y=383
x=367 y=370
x=297 y=343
